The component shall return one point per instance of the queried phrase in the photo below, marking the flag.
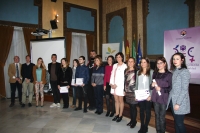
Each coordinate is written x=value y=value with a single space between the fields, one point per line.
x=123 y=50
x=139 y=54
x=127 y=50
x=133 y=48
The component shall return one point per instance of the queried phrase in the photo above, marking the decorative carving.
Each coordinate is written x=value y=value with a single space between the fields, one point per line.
x=66 y=8
x=39 y=25
x=134 y=20
x=122 y=13
x=191 y=6
x=37 y=2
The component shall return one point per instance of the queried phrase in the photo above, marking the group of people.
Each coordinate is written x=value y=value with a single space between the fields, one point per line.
x=115 y=80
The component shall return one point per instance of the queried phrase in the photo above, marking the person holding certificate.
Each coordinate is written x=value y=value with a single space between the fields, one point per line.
x=161 y=85
x=64 y=81
x=75 y=64
x=82 y=80
x=97 y=83
x=130 y=76
x=107 y=87
x=117 y=85
x=179 y=98
x=39 y=76
x=143 y=93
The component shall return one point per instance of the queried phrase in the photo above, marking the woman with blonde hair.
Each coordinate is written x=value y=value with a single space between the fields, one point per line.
x=39 y=76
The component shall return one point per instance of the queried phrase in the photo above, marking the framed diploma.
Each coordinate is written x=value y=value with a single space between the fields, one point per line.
x=79 y=81
x=141 y=95
x=63 y=89
x=73 y=82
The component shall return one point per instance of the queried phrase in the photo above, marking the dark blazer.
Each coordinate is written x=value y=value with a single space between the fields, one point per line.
x=67 y=76
x=27 y=73
x=56 y=70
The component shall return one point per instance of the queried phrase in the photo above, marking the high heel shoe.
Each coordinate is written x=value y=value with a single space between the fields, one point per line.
x=112 y=114
x=133 y=125
x=119 y=119
x=107 y=114
x=129 y=124
x=115 y=118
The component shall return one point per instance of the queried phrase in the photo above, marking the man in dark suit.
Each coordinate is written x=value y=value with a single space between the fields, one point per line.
x=15 y=80
x=91 y=66
x=53 y=69
x=27 y=81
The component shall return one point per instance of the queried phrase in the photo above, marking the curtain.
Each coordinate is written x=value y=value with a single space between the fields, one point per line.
x=90 y=42
x=28 y=37
x=78 y=47
x=17 y=49
x=6 y=34
x=68 y=45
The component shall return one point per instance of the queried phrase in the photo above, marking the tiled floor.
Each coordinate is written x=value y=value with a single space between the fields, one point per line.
x=58 y=120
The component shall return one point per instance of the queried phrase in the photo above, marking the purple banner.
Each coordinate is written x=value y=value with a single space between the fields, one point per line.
x=186 y=41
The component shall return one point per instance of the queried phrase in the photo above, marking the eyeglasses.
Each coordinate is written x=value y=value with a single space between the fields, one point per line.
x=159 y=63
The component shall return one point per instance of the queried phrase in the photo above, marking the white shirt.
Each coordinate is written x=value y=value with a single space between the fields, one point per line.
x=18 y=69
x=143 y=82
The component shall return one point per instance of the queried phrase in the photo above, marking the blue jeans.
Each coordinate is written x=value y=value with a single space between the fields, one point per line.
x=74 y=95
x=178 y=120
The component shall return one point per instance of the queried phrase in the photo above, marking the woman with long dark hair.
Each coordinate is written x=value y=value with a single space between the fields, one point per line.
x=130 y=77
x=161 y=86
x=143 y=81
x=107 y=87
x=179 y=99
x=64 y=80
x=117 y=85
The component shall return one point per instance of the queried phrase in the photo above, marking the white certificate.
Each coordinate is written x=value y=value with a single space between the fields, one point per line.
x=141 y=95
x=64 y=89
x=79 y=81
x=73 y=82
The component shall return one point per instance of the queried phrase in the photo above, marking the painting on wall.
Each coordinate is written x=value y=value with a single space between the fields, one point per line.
x=110 y=49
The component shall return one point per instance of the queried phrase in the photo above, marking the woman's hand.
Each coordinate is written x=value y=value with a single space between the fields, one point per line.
x=104 y=88
x=149 y=98
x=59 y=87
x=93 y=84
x=153 y=84
x=176 y=107
x=158 y=88
x=114 y=86
x=68 y=86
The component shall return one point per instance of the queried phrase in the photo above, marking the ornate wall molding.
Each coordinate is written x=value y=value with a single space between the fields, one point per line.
x=66 y=8
x=191 y=7
x=123 y=14
x=39 y=25
x=100 y=26
x=134 y=20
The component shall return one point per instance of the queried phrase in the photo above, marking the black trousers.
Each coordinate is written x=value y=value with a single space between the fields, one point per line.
x=133 y=112
x=65 y=96
x=108 y=97
x=98 y=90
x=91 y=95
x=145 y=110
x=160 y=111
x=13 y=87
x=82 y=95
x=56 y=92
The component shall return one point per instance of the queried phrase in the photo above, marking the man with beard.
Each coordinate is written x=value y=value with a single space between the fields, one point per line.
x=91 y=65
